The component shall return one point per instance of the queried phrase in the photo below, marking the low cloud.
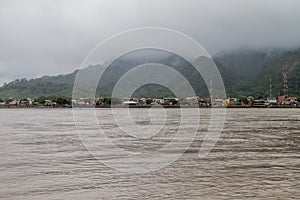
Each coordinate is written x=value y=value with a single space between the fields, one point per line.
x=53 y=37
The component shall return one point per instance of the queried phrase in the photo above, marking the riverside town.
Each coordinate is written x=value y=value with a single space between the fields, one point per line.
x=202 y=102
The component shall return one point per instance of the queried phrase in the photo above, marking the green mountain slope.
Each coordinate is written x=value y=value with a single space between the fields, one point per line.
x=236 y=85
x=63 y=84
x=47 y=85
x=248 y=63
x=259 y=86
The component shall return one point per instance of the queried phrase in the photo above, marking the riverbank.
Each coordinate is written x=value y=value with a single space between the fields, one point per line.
x=143 y=106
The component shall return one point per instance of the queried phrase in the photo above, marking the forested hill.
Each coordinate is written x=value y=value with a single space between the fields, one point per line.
x=236 y=85
x=259 y=86
x=62 y=85
x=248 y=63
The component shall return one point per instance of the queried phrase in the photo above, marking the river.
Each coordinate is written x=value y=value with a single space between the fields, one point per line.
x=257 y=156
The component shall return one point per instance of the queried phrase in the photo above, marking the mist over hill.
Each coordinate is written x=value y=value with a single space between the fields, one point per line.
x=248 y=63
x=259 y=86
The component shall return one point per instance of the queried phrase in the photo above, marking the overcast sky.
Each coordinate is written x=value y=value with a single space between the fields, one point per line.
x=52 y=37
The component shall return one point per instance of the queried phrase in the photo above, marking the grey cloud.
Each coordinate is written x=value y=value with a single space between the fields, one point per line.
x=53 y=37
